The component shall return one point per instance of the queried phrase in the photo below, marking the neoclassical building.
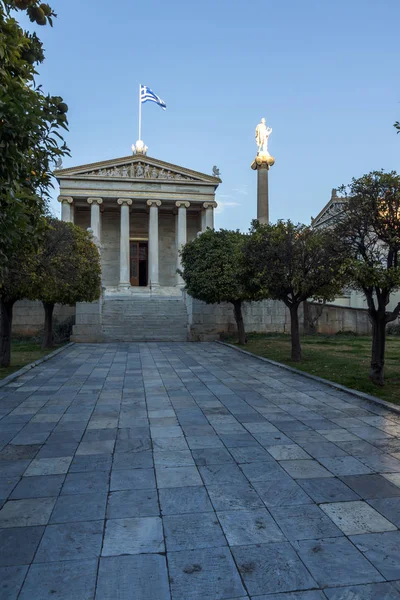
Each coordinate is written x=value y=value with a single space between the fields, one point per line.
x=141 y=211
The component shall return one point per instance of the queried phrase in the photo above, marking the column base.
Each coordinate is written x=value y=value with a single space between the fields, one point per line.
x=154 y=285
x=124 y=286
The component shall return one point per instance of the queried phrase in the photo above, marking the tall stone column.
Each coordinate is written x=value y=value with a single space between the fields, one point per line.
x=262 y=164
x=124 y=280
x=209 y=218
x=153 y=242
x=95 y=216
x=67 y=208
x=181 y=236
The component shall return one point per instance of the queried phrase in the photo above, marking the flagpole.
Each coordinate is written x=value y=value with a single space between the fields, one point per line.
x=140 y=113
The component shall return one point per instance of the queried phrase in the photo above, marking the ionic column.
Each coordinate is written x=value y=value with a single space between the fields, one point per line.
x=95 y=216
x=181 y=236
x=153 y=242
x=67 y=209
x=209 y=218
x=124 y=280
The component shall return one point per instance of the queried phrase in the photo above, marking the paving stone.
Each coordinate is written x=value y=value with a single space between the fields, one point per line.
x=177 y=477
x=271 y=568
x=19 y=544
x=304 y=522
x=356 y=517
x=133 y=460
x=7 y=484
x=234 y=497
x=38 y=487
x=264 y=471
x=71 y=580
x=191 y=531
x=89 y=464
x=85 y=483
x=12 y=452
x=70 y=541
x=133 y=503
x=282 y=492
x=273 y=439
x=79 y=507
x=26 y=512
x=246 y=527
x=57 y=450
x=173 y=458
x=11 y=580
x=340 y=435
x=327 y=489
x=290 y=452
x=372 y=486
x=184 y=500
x=382 y=550
x=88 y=448
x=13 y=468
x=212 y=456
x=133 y=536
x=48 y=466
x=136 y=577
x=219 y=474
x=336 y=560
x=345 y=465
x=132 y=479
x=393 y=478
x=196 y=442
x=310 y=595
x=371 y=591
x=304 y=469
x=323 y=449
x=389 y=508
x=205 y=573
x=382 y=463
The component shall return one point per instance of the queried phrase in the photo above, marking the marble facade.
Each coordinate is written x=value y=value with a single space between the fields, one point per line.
x=138 y=204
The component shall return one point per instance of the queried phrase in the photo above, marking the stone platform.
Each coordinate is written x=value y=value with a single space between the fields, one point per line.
x=191 y=472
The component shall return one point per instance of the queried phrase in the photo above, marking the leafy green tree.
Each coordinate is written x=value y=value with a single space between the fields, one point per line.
x=292 y=263
x=214 y=271
x=30 y=124
x=67 y=271
x=369 y=229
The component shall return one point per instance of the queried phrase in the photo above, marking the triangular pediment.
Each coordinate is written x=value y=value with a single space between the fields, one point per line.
x=330 y=212
x=137 y=167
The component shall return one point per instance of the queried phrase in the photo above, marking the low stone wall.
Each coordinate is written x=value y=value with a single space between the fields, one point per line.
x=209 y=321
x=28 y=316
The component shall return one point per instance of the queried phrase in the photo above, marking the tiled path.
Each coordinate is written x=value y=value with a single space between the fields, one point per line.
x=190 y=471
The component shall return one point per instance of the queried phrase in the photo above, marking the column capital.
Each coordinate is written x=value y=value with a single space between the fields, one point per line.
x=95 y=200
x=67 y=199
x=155 y=202
x=181 y=204
x=122 y=201
x=210 y=205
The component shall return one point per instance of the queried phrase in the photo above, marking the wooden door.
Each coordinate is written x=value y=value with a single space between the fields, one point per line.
x=138 y=263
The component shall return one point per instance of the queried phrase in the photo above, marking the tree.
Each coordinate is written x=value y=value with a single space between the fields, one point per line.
x=30 y=124
x=369 y=229
x=292 y=263
x=213 y=271
x=67 y=271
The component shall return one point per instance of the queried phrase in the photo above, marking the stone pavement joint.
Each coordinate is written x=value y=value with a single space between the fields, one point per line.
x=183 y=471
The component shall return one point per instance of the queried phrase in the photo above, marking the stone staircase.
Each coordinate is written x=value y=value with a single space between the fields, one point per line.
x=144 y=317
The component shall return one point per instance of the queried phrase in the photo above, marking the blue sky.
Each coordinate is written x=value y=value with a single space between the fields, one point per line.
x=324 y=74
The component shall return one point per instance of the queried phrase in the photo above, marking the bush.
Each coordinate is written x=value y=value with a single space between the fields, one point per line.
x=393 y=329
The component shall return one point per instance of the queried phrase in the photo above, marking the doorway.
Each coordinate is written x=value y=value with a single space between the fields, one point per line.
x=138 y=263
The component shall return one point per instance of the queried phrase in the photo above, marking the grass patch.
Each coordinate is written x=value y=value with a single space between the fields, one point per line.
x=341 y=358
x=23 y=353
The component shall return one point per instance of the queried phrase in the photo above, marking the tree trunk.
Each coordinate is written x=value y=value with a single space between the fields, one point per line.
x=48 y=325
x=240 y=323
x=295 y=333
x=378 y=349
x=6 y=315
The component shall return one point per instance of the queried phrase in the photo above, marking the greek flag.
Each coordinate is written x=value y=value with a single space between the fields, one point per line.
x=147 y=95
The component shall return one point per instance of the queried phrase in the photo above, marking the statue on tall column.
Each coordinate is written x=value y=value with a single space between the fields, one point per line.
x=262 y=134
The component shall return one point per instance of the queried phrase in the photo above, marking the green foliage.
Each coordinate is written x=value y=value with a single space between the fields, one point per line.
x=369 y=228
x=292 y=263
x=213 y=267
x=67 y=267
x=30 y=124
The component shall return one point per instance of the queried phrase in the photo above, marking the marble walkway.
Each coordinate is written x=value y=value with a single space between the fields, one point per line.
x=188 y=472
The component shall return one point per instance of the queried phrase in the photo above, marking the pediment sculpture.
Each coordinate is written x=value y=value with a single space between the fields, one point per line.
x=140 y=170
